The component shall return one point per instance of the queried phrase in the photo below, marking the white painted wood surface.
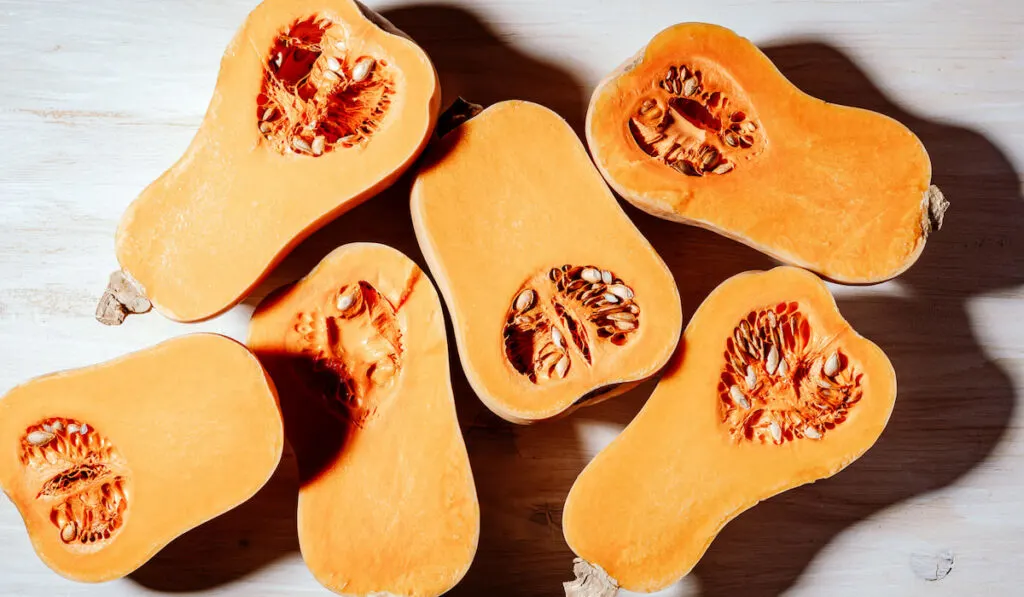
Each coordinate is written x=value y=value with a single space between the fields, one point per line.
x=98 y=97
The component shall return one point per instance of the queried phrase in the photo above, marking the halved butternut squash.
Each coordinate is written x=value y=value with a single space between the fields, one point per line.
x=771 y=389
x=555 y=296
x=316 y=109
x=387 y=504
x=109 y=463
x=700 y=127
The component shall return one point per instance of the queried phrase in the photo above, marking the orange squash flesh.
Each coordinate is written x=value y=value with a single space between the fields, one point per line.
x=109 y=463
x=568 y=299
x=710 y=442
x=358 y=348
x=209 y=229
x=700 y=127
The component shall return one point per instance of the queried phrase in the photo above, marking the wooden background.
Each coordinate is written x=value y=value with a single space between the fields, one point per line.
x=99 y=96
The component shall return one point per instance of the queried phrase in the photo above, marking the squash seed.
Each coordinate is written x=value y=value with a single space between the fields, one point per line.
x=831 y=366
x=562 y=367
x=737 y=396
x=556 y=337
x=751 y=378
x=68 y=532
x=39 y=437
x=345 y=302
x=620 y=290
x=525 y=300
x=772 y=362
x=362 y=68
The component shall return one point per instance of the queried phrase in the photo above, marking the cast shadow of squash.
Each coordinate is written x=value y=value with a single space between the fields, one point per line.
x=944 y=424
x=232 y=545
x=522 y=474
x=954 y=402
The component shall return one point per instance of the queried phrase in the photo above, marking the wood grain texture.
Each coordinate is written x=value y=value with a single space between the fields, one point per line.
x=99 y=97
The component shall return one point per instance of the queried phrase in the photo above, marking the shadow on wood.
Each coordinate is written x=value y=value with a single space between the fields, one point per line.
x=232 y=545
x=522 y=474
x=953 y=405
x=954 y=402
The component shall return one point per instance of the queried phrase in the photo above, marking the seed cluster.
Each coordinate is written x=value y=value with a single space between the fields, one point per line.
x=354 y=347
x=690 y=127
x=319 y=95
x=81 y=478
x=779 y=384
x=567 y=307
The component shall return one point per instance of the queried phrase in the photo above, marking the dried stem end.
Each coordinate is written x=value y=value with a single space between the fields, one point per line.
x=460 y=111
x=123 y=296
x=935 y=206
x=591 y=581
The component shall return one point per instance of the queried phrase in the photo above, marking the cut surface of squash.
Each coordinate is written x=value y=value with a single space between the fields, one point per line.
x=109 y=463
x=554 y=294
x=700 y=127
x=387 y=504
x=771 y=389
x=316 y=109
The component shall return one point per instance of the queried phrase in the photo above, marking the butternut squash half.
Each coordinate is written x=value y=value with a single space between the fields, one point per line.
x=771 y=389
x=316 y=109
x=358 y=347
x=555 y=296
x=109 y=463
x=700 y=127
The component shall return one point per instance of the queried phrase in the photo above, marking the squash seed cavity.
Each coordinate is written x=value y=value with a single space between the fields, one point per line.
x=692 y=124
x=354 y=343
x=779 y=383
x=557 y=317
x=319 y=92
x=82 y=481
